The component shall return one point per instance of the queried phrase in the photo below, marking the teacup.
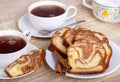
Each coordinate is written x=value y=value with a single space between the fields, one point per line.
x=52 y=21
x=13 y=44
x=105 y=10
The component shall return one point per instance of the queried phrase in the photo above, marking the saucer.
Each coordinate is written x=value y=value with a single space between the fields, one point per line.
x=3 y=75
x=114 y=63
x=25 y=24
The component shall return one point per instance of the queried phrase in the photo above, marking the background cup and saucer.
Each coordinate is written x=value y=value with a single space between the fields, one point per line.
x=35 y=23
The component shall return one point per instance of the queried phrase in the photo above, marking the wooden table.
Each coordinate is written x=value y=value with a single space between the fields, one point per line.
x=12 y=10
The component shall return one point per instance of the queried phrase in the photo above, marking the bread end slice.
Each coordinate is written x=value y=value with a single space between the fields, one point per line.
x=26 y=63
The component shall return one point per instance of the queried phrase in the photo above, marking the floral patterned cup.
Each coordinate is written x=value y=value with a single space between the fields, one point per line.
x=105 y=11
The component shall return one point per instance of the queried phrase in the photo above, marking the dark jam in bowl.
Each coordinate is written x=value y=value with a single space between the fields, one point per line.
x=48 y=11
x=9 y=44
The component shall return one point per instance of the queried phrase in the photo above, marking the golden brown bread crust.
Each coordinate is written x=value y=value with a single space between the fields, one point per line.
x=98 y=69
x=26 y=63
x=87 y=51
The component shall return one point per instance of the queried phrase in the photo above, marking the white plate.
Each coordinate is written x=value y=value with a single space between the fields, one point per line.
x=25 y=24
x=114 y=63
x=3 y=74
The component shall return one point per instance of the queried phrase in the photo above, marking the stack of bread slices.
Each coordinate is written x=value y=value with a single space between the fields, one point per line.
x=80 y=51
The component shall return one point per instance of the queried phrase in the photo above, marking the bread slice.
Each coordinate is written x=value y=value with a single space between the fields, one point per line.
x=26 y=63
x=57 y=44
x=102 y=43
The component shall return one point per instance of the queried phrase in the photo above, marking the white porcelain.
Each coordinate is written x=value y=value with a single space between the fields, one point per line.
x=105 y=10
x=114 y=63
x=7 y=58
x=113 y=3
x=50 y=23
x=25 y=24
x=3 y=75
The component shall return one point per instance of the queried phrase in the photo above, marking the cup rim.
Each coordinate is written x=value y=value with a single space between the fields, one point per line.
x=26 y=41
x=29 y=10
x=106 y=6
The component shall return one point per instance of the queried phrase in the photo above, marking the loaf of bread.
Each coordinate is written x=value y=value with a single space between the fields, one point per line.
x=86 y=51
x=26 y=63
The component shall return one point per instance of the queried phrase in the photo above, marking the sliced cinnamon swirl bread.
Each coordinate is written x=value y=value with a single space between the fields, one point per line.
x=86 y=51
x=26 y=63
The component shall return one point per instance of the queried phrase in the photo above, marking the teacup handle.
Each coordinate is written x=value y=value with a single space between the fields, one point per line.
x=74 y=13
x=27 y=33
x=87 y=5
